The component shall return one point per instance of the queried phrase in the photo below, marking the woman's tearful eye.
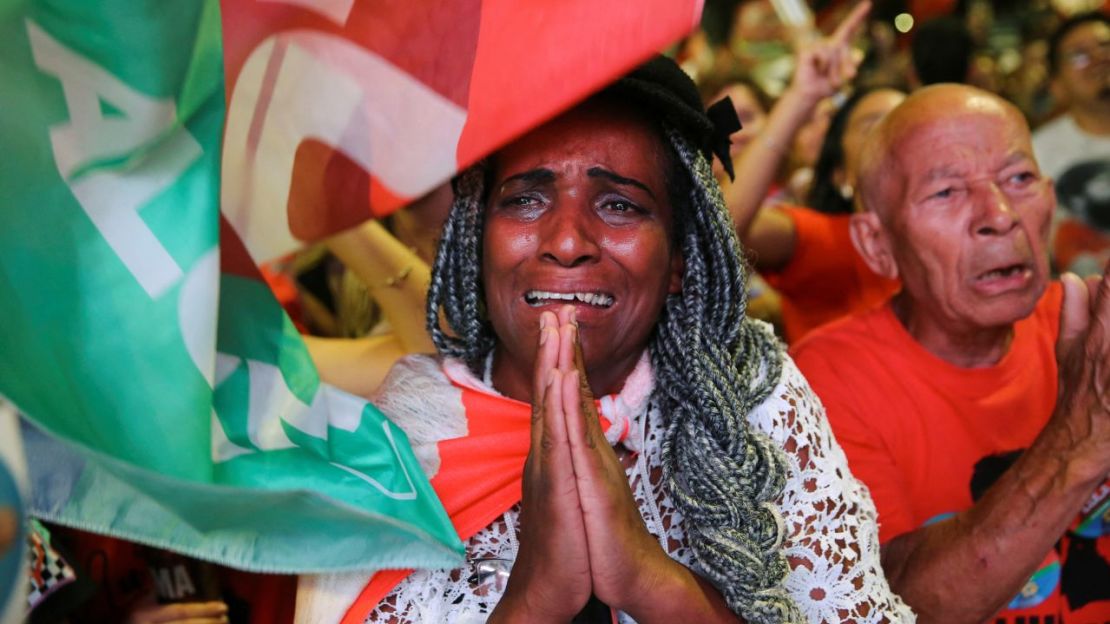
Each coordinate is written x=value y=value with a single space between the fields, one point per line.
x=519 y=200
x=524 y=206
x=620 y=209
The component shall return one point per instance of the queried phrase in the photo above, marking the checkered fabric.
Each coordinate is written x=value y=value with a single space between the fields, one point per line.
x=49 y=572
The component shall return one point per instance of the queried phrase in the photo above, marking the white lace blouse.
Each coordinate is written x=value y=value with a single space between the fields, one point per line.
x=832 y=539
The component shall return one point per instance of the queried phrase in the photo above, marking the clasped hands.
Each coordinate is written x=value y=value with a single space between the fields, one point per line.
x=581 y=531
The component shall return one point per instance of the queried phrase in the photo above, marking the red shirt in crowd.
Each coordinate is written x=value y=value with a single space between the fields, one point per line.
x=928 y=437
x=826 y=278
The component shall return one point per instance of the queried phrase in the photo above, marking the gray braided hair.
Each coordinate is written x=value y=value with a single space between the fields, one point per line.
x=712 y=366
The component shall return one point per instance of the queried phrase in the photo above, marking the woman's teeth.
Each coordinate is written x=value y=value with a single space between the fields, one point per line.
x=542 y=297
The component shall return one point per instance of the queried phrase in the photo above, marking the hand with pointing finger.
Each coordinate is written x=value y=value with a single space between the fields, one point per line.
x=825 y=66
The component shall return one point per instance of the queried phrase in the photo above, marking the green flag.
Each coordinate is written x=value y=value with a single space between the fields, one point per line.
x=172 y=403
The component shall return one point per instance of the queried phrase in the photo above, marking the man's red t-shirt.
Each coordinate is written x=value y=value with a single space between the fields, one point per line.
x=826 y=278
x=928 y=437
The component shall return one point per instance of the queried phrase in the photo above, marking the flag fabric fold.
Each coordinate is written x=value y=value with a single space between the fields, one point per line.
x=154 y=154
x=173 y=404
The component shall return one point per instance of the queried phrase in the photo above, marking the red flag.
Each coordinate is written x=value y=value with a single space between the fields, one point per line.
x=343 y=110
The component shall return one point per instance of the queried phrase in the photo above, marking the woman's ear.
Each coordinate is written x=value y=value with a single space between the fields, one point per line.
x=678 y=266
x=873 y=242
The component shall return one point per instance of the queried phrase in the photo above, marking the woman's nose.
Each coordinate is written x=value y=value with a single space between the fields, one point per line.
x=568 y=235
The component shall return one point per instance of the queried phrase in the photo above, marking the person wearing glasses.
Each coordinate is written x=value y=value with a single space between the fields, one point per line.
x=1079 y=59
x=1074 y=149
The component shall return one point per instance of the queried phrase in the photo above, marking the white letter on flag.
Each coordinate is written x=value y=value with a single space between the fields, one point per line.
x=112 y=199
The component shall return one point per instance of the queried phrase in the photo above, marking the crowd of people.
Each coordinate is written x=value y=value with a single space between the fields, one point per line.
x=850 y=366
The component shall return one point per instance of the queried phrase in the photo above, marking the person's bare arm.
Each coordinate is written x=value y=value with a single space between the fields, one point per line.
x=822 y=69
x=395 y=276
x=771 y=239
x=966 y=568
x=355 y=365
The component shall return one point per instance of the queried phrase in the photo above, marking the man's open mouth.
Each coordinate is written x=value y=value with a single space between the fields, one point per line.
x=1002 y=272
x=537 y=298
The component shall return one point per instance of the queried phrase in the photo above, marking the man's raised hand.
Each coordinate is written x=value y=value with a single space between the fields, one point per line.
x=1083 y=355
x=826 y=65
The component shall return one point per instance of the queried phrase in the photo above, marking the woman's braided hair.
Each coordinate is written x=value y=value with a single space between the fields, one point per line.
x=712 y=366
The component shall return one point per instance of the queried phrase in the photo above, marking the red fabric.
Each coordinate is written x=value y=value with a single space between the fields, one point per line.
x=914 y=427
x=1073 y=239
x=826 y=278
x=564 y=49
x=433 y=41
x=912 y=424
x=490 y=58
x=479 y=478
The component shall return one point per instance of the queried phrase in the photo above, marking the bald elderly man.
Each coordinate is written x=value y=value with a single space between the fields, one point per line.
x=989 y=477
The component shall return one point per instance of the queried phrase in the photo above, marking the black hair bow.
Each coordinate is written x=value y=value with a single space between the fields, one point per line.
x=722 y=114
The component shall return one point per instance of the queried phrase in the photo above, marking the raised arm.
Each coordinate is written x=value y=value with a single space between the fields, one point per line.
x=823 y=67
x=966 y=568
x=396 y=278
x=355 y=365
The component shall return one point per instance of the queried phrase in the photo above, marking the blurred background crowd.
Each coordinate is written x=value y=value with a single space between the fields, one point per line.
x=999 y=45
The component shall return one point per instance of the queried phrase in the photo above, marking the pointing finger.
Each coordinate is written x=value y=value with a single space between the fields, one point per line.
x=848 y=28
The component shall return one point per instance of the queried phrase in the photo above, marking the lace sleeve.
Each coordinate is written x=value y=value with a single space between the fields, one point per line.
x=832 y=537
